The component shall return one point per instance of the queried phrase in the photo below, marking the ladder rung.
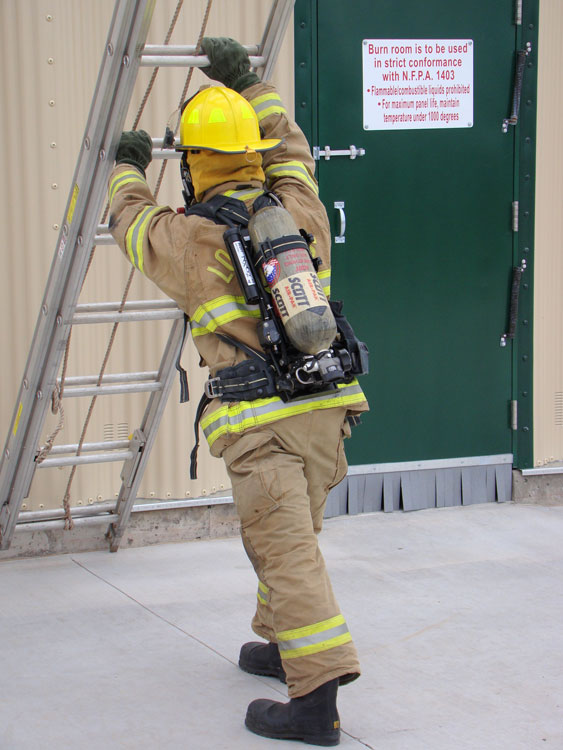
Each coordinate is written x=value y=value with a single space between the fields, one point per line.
x=57 y=514
x=107 y=445
x=186 y=49
x=102 y=518
x=158 y=152
x=111 y=390
x=139 y=304
x=97 y=458
x=104 y=239
x=126 y=317
x=165 y=153
x=189 y=61
x=122 y=377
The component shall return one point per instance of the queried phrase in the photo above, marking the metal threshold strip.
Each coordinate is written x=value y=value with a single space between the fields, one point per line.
x=435 y=463
x=540 y=470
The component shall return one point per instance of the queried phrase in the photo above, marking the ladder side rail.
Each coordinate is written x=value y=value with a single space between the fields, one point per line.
x=133 y=471
x=114 y=87
x=274 y=33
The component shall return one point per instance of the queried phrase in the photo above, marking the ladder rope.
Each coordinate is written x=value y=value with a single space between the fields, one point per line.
x=57 y=398
x=185 y=91
x=148 y=90
x=56 y=408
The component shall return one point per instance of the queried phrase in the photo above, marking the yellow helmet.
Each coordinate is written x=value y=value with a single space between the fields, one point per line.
x=219 y=119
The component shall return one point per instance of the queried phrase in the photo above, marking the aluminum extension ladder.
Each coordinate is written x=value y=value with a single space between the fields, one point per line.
x=125 y=52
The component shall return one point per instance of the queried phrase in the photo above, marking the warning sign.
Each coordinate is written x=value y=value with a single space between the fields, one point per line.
x=417 y=83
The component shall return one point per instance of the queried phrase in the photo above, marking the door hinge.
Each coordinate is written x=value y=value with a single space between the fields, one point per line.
x=518 y=12
x=514 y=415
x=327 y=152
x=515 y=210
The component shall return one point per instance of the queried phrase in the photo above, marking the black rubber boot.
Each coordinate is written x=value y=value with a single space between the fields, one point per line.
x=261 y=658
x=313 y=718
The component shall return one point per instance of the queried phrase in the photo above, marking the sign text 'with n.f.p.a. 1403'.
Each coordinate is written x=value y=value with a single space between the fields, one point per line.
x=417 y=83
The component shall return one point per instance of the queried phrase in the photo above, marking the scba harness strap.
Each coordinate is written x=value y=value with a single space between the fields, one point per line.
x=224 y=209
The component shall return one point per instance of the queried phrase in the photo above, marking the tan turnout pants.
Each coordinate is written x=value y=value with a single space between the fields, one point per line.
x=281 y=475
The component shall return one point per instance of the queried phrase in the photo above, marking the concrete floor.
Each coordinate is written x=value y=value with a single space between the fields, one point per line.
x=457 y=614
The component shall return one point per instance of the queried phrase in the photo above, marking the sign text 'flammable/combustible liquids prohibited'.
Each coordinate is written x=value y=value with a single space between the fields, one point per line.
x=417 y=83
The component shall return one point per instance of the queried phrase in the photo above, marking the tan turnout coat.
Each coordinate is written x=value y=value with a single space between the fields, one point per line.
x=186 y=257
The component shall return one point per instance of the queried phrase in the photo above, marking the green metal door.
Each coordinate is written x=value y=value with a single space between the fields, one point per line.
x=424 y=261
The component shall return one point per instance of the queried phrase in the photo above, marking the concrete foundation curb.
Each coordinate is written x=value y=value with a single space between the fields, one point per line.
x=541 y=489
x=145 y=528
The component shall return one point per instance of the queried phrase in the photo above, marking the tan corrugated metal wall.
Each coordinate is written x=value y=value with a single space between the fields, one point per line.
x=50 y=57
x=548 y=313
x=51 y=51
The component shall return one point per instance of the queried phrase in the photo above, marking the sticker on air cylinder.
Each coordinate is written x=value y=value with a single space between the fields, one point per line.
x=272 y=271
x=299 y=293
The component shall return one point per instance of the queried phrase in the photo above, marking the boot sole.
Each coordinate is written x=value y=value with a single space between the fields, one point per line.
x=263 y=672
x=330 y=739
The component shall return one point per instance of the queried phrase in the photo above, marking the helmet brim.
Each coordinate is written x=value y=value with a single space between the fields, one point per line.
x=267 y=144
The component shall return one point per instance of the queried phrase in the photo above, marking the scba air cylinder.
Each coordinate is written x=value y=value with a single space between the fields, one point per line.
x=291 y=277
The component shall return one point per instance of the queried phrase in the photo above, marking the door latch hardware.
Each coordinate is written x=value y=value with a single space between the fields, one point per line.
x=340 y=238
x=521 y=56
x=327 y=153
x=517 y=272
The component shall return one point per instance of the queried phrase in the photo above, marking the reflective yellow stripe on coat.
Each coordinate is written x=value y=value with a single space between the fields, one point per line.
x=219 y=311
x=123 y=178
x=324 y=278
x=136 y=235
x=294 y=169
x=244 y=195
x=321 y=636
x=238 y=416
x=268 y=104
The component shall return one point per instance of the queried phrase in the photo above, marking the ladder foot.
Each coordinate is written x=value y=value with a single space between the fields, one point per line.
x=113 y=539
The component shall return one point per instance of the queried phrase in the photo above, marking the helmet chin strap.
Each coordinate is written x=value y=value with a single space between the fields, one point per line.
x=188 y=186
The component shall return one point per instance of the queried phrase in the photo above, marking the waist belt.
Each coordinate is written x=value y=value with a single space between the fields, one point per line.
x=251 y=379
x=247 y=381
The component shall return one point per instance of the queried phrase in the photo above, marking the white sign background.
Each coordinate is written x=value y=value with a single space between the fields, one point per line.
x=417 y=83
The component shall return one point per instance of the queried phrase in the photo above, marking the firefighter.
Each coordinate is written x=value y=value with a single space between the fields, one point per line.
x=282 y=456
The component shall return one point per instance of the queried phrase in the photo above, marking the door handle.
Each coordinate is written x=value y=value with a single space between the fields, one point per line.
x=339 y=238
x=521 y=56
x=517 y=272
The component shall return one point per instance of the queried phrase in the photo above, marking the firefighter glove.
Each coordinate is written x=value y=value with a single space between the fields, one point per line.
x=229 y=63
x=135 y=148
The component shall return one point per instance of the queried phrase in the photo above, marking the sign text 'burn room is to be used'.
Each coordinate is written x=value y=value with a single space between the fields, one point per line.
x=417 y=83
